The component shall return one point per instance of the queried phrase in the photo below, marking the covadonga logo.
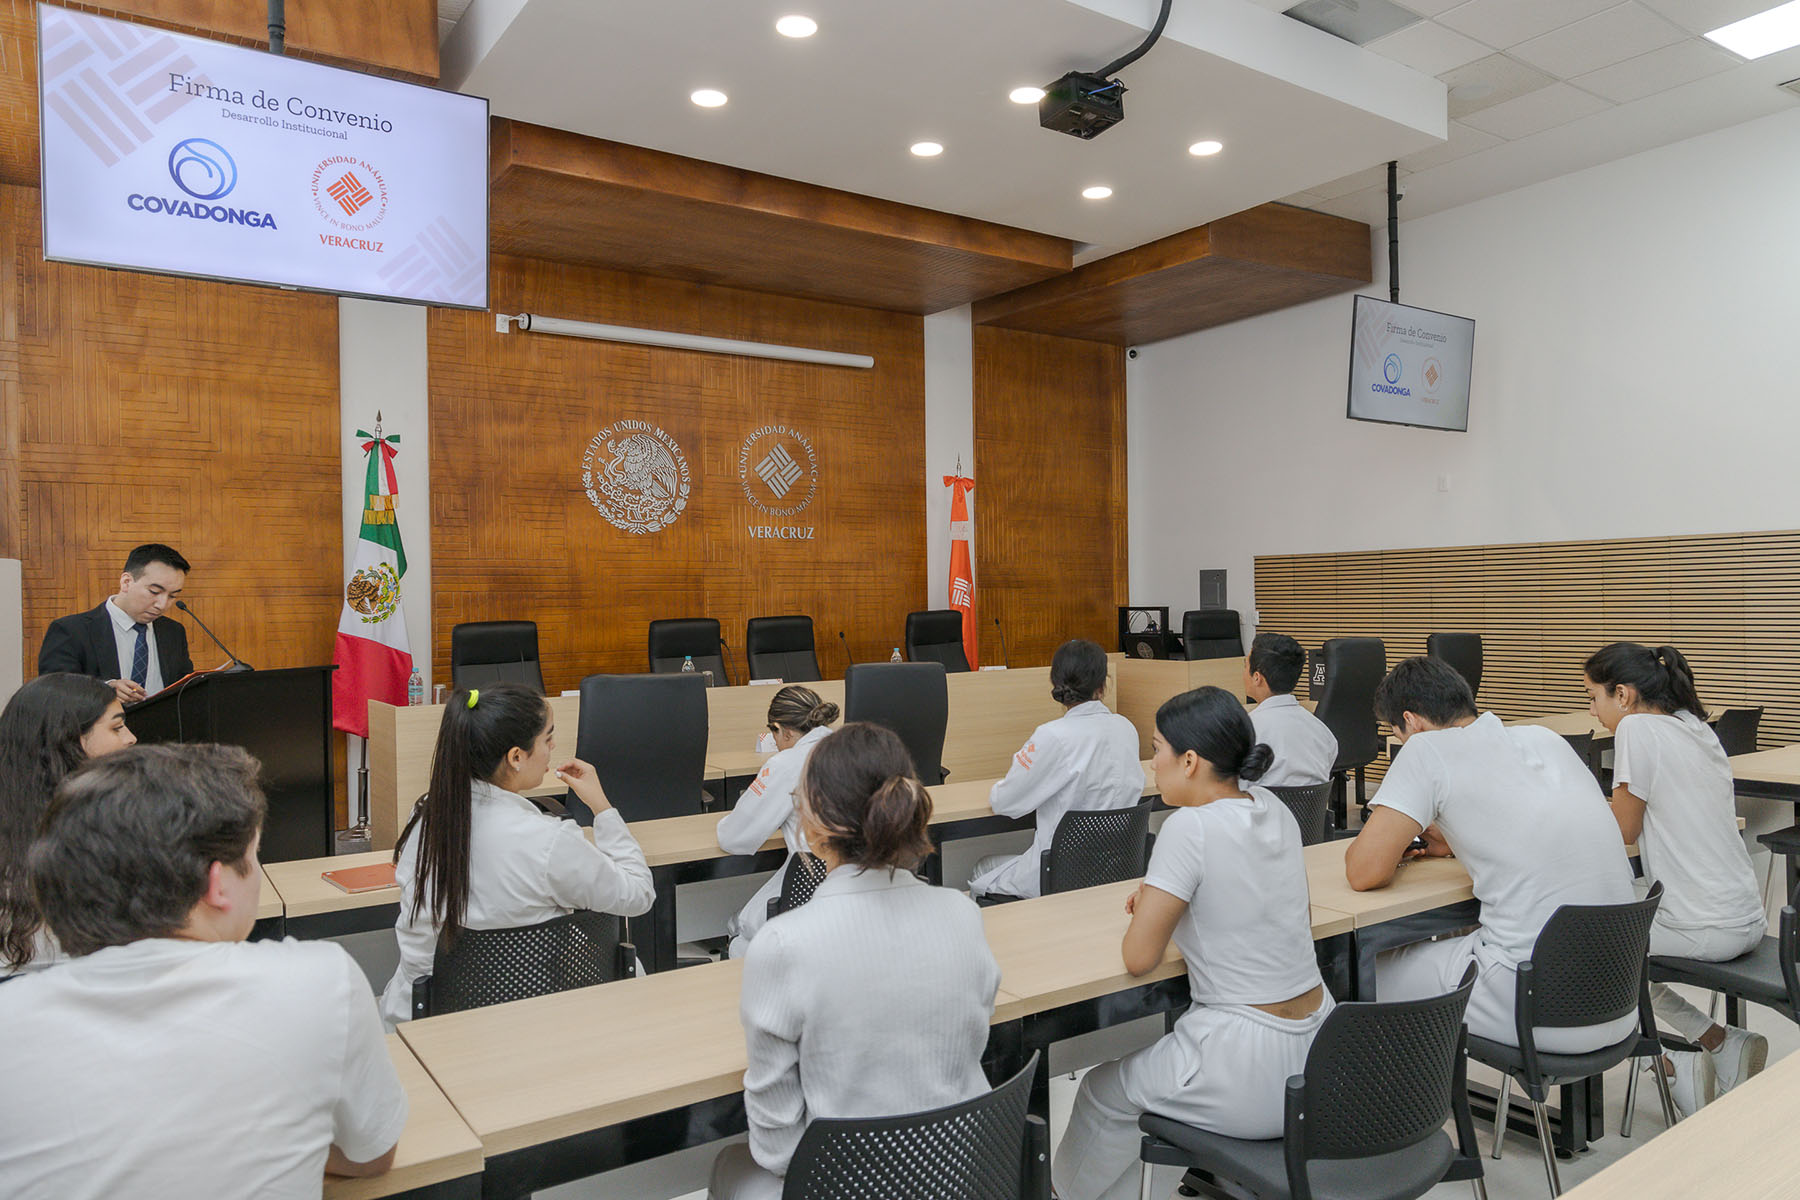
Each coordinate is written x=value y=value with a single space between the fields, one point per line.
x=1390 y=370
x=206 y=171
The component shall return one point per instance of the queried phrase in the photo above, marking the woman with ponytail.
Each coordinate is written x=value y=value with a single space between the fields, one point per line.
x=478 y=855
x=874 y=998
x=799 y=721
x=1673 y=795
x=1227 y=884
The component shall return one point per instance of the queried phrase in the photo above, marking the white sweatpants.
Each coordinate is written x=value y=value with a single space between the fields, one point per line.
x=1432 y=968
x=736 y=1176
x=1224 y=1068
x=1707 y=945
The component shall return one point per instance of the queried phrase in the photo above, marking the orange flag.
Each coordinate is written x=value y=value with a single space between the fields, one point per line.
x=962 y=564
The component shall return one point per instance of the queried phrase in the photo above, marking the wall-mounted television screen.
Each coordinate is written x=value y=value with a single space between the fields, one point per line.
x=184 y=156
x=1410 y=366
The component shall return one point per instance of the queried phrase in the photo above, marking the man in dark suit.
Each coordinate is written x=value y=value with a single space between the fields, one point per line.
x=126 y=640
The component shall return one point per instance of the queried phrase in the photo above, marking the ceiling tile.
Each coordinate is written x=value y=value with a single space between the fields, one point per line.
x=1490 y=81
x=1429 y=47
x=1429 y=8
x=1375 y=176
x=1704 y=16
x=1503 y=23
x=1656 y=72
x=1599 y=41
x=1464 y=140
x=1537 y=111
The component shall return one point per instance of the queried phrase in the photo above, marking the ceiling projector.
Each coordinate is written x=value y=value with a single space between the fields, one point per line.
x=1082 y=105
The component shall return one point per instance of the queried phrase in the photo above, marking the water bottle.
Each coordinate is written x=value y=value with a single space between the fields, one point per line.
x=895 y=656
x=687 y=665
x=415 y=688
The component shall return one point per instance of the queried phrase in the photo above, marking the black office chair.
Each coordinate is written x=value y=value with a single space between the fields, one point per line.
x=800 y=878
x=1345 y=673
x=672 y=643
x=493 y=966
x=936 y=636
x=1587 y=968
x=988 y=1148
x=646 y=736
x=1736 y=729
x=1211 y=633
x=489 y=652
x=1096 y=846
x=1365 y=1119
x=1310 y=805
x=912 y=699
x=1460 y=650
x=781 y=648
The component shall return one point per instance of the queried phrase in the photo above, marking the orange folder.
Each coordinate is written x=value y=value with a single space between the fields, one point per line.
x=361 y=879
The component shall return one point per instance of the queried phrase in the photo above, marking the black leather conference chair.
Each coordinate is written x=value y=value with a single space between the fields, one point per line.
x=646 y=736
x=781 y=648
x=1211 y=633
x=674 y=642
x=936 y=636
x=489 y=652
x=1460 y=650
x=1736 y=729
x=1345 y=673
x=912 y=699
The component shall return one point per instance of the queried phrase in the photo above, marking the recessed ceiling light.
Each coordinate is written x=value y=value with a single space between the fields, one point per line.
x=1776 y=29
x=1098 y=192
x=1025 y=95
x=796 y=26
x=1206 y=148
x=927 y=149
x=709 y=98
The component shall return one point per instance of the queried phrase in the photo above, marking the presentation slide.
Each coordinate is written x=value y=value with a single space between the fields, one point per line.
x=1410 y=366
x=176 y=154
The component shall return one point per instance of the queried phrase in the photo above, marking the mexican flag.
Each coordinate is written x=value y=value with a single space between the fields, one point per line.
x=374 y=660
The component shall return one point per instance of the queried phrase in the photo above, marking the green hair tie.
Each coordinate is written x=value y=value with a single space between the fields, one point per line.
x=474 y=695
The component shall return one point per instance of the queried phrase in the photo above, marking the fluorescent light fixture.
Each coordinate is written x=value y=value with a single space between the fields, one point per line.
x=1764 y=34
x=1025 y=95
x=796 y=26
x=1205 y=149
x=1098 y=192
x=532 y=323
x=927 y=149
x=709 y=98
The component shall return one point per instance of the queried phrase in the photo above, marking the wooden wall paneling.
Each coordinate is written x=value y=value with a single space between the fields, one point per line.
x=515 y=536
x=1050 y=508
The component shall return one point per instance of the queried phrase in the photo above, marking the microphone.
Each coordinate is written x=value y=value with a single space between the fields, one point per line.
x=1003 y=655
x=237 y=664
x=725 y=660
x=845 y=645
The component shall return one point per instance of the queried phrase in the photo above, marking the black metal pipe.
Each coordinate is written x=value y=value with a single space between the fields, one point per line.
x=1394 y=232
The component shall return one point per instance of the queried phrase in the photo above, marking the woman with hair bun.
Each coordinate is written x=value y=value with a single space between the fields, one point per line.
x=1227 y=884
x=873 y=999
x=799 y=721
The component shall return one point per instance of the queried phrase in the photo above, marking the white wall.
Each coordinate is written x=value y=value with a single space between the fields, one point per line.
x=1637 y=372
x=949 y=435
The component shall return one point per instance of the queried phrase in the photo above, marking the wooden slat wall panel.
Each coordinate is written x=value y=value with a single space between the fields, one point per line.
x=1730 y=602
x=1050 y=511
x=515 y=537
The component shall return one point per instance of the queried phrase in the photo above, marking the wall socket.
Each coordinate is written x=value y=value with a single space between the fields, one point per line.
x=1444 y=482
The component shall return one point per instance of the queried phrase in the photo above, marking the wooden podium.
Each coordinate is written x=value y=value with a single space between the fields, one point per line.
x=283 y=717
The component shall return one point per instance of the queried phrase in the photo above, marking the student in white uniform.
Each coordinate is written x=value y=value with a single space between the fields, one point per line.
x=1228 y=884
x=171 y=1058
x=1673 y=795
x=1085 y=759
x=1305 y=748
x=873 y=999
x=1521 y=811
x=478 y=855
x=799 y=721
x=51 y=726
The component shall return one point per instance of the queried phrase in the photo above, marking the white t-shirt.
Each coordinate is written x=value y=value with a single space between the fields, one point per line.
x=1305 y=748
x=766 y=806
x=1523 y=814
x=1247 y=931
x=174 y=1069
x=1690 y=842
x=1085 y=759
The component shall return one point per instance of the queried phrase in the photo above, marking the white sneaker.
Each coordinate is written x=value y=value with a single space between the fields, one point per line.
x=1740 y=1056
x=1693 y=1084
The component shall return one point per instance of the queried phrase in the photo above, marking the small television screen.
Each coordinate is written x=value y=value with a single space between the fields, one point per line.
x=1410 y=366
x=184 y=156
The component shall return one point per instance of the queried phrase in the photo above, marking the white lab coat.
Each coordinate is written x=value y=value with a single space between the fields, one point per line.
x=767 y=805
x=1085 y=759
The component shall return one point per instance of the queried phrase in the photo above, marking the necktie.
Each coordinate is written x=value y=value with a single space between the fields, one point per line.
x=140 y=657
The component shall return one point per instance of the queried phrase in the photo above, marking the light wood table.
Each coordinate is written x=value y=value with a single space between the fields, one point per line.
x=1419 y=886
x=268 y=900
x=435 y=1148
x=1771 y=773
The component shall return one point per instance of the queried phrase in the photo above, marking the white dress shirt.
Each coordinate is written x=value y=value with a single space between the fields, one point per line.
x=766 y=806
x=525 y=867
x=1305 y=748
x=125 y=637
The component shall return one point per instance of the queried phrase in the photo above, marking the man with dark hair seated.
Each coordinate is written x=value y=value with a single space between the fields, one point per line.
x=1305 y=748
x=170 y=1058
x=126 y=640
